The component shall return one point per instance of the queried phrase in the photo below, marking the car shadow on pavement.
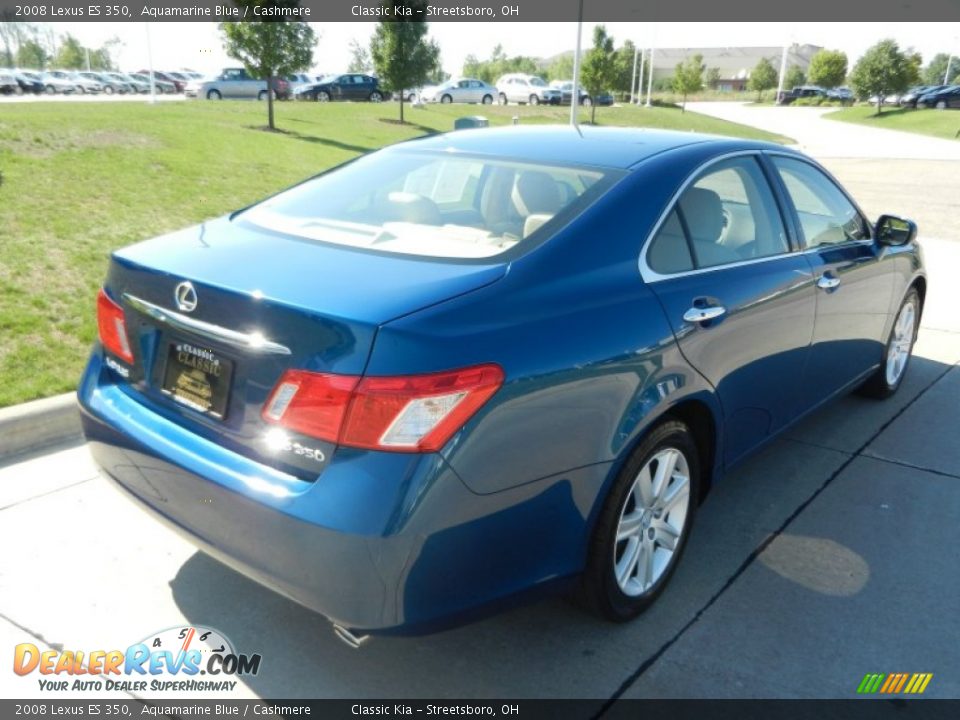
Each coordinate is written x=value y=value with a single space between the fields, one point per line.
x=551 y=648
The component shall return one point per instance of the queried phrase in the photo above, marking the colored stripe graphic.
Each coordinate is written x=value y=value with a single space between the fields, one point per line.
x=894 y=683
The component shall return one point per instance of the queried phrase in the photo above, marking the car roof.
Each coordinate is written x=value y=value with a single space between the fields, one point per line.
x=615 y=147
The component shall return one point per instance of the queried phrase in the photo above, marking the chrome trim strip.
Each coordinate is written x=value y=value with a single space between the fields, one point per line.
x=251 y=342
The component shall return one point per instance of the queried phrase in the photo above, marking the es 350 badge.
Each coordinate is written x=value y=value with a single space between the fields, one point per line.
x=180 y=659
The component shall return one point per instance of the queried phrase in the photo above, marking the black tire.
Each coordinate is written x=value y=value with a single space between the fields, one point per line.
x=488 y=99
x=587 y=101
x=503 y=99
x=108 y=90
x=50 y=90
x=534 y=100
x=376 y=97
x=214 y=95
x=941 y=105
x=600 y=591
x=878 y=385
x=446 y=99
x=321 y=96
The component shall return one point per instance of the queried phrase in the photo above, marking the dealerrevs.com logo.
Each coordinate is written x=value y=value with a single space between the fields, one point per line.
x=182 y=659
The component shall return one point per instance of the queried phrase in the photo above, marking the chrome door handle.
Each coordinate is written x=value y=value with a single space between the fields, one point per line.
x=702 y=314
x=828 y=282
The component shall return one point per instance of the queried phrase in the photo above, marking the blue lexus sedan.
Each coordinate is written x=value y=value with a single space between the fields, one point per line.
x=475 y=367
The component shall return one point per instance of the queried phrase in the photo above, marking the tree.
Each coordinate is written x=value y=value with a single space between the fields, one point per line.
x=561 y=68
x=935 y=72
x=828 y=68
x=763 y=77
x=883 y=70
x=599 y=70
x=71 y=55
x=268 y=49
x=402 y=54
x=713 y=78
x=688 y=78
x=794 y=77
x=31 y=54
x=359 y=58
x=623 y=67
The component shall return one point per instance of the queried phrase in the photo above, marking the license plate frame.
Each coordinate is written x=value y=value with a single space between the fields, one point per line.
x=198 y=378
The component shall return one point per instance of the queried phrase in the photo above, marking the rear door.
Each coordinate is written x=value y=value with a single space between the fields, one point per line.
x=739 y=299
x=853 y=287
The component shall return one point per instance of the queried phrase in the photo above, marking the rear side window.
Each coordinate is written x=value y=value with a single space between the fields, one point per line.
x=826 y=216
x=435 y=205
x=727 y=215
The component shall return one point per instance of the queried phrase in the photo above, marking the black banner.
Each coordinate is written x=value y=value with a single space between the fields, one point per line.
x=525 y=709
x=485 y=10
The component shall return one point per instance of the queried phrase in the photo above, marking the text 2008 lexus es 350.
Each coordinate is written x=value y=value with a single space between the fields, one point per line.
x=476 y=365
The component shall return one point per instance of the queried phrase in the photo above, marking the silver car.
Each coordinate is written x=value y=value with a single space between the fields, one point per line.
x=523 y=88
x=463 y=90
x=83 y=84
x=231 y=83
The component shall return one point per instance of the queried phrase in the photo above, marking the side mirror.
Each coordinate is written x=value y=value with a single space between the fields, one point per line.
x=893 y=230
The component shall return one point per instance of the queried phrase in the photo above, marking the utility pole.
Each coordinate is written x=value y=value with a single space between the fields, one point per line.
x=633 y=78
x=783 y=70
x=946 y=75
x=653 y=49
x=640 y=79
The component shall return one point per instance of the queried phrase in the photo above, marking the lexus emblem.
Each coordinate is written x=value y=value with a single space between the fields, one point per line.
x=186 y=297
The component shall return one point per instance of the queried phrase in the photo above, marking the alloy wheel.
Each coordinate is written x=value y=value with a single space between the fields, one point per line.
x=901 y=343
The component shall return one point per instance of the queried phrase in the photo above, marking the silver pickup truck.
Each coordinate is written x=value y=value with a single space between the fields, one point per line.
x=232 y=83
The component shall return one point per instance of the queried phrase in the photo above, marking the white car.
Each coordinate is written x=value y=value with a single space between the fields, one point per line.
x=530 y=89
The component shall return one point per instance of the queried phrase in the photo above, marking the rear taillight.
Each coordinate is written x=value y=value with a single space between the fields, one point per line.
x=113 y=328
x=413 y=413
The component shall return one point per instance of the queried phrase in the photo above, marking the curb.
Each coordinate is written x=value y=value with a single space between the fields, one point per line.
x=36 y=424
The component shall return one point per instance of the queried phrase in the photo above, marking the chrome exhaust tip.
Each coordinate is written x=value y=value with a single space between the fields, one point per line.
x=354 y=641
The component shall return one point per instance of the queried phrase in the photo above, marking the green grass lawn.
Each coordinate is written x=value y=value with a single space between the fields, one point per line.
x=938 y=123
x=82 y=179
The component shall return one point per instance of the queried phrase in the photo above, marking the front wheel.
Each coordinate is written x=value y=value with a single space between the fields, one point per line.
x=643 y=527
x=375 y=97
x=534 y=99
x=488 y=99
x=322 y=96
x=107 y=90
x=941 y=105
x=503 y=99
x=886 y=380
x=587 y=101
x=446 y=99
x=214 y=95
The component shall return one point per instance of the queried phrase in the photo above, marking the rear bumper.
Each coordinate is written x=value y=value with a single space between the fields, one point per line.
x=380 y=542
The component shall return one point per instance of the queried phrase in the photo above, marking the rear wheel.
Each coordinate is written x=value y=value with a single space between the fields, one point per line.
x=488 y=99
x=376 y=97
x=214 y=95
x=643 y=527
x=886 y=380
x=587 y=101
x=262 y=95
x=941 y=105
x=534 y=100
x=50 y=89
x=107 y=90
x=18 y=90
x=503 y=99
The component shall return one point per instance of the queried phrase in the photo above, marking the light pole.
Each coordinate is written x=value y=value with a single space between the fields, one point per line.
x=640 y=79
x=575 y=97
x=783 y=70
x=946 y=75
x=633 y=78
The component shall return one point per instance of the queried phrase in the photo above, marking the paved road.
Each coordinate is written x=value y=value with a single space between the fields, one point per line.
x=887 y=171
x=829 y=555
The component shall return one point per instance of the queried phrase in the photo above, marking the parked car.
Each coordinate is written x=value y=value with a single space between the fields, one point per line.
x=235 y=83
x=9 y=84
x=349 y=86
x=802 y=91
x=566 y=92
x=334 y=390
x=56 y=85
x=28 y=83
x=159 y=85
x=909 y=98
x=843 y=94
x=298 y=80
x=81 y=83
x=942 y=99
x=530 y=89
x=176 y=80
x=109 y=84
x=461 y=90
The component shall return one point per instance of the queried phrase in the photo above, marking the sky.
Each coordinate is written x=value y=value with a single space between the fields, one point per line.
x=197 y=45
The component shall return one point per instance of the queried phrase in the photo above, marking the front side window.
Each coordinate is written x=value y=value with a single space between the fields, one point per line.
x=727 y=215
x=826 y=216
x=430 y=205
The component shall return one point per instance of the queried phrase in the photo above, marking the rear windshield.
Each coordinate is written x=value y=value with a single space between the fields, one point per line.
x=436 y=205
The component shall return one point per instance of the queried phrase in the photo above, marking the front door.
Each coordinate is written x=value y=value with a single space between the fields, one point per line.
x=740 y=301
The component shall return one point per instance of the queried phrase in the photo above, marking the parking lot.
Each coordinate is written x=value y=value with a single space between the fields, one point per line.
x=827 y=556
